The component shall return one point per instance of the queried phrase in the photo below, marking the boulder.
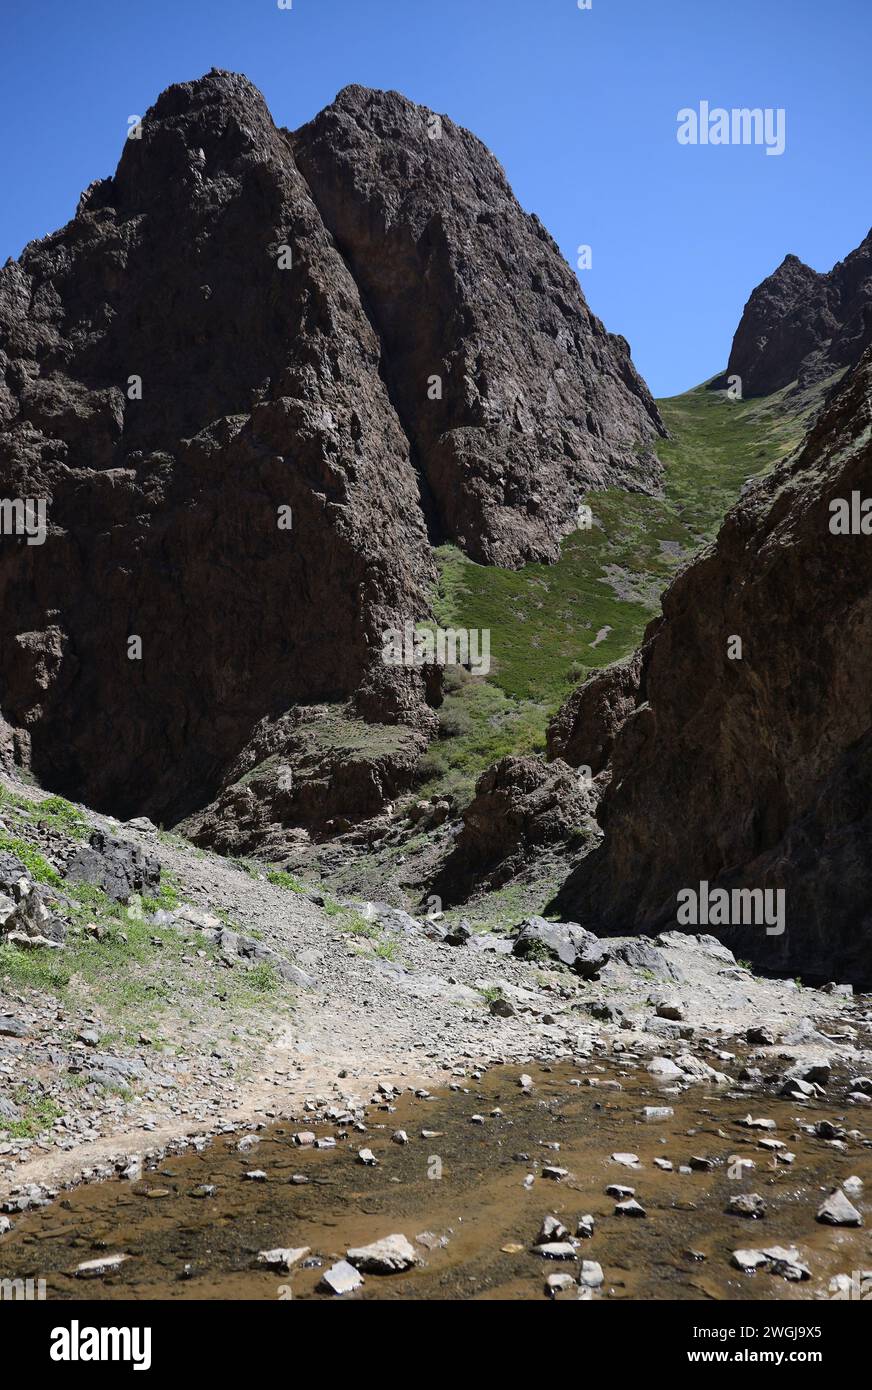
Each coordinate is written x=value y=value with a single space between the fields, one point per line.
x=566 y=942
x=119 y=867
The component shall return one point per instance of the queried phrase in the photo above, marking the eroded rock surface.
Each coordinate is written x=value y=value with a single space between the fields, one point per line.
x=521 y=806
x=538 y=401
x=260 y=390
x=753 y=772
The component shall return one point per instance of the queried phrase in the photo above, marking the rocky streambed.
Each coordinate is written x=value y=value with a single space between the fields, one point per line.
x=596 y=1180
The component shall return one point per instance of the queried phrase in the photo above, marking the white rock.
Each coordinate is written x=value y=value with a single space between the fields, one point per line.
x=282 y=1259
x=559 y=1283
x=838 y=1211
x=391 y=1255
x=556 y=1250
x=341 y=1278
x=93 y=1269
x=664 y=1069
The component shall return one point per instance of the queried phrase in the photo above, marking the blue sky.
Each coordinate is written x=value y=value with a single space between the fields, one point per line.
x=579 y=106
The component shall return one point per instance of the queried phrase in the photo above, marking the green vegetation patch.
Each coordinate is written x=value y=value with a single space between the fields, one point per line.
x=283 y=880
x=36 y=865
x=551 y=625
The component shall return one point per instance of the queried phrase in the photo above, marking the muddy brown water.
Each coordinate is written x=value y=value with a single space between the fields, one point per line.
x=185 y=1247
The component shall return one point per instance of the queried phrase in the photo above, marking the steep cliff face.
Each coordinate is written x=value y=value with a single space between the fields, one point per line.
x=800 y=325
x=212 y=396
x=538 y=402
x=260 y=390
x=752 y=772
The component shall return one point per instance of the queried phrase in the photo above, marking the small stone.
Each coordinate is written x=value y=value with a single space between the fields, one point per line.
x=559 y=1283
x=502 y=1008
x=367 y=1158
x=95 y=1269
x=781 y=1260
x=630 y=1208
x=627 y=1160
x=747 y=1260
x=283 y=1260
x=585 y=1227
x=556 y=1250
x=838 y=1211
x=671 y=1009
x=761 y=1036
x=786 y=1263
x=256 y=1175
x=748 y=1204
x=341 y=1278
x=551 y=1229
x=656 y=1113
x=391 y=1255
x=431 y=1241
x=616 y=1189
x=664 y=1069
x=591 y=1274
x=399 y=1136
x=554 y=1173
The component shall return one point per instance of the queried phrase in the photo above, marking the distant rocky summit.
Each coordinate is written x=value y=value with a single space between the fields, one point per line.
x=253 y=380
x=801 y=325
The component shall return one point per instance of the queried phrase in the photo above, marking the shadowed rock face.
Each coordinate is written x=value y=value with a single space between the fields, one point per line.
x=538 y=402
x=521 y=807
x=583 y=730
x=754 y=772
x=800 y=325
x=264 y=388
x=260 y=390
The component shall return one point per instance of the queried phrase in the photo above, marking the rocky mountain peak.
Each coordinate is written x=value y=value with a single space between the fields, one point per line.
x=802 y=325
x=251 y=379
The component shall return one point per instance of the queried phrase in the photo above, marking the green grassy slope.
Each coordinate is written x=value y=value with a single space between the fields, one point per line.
x=551 y=624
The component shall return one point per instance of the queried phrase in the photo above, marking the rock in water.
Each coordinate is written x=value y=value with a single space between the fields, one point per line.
x=391 y=1255
x=838 y=1211
x=104 y=1264
x=341 y=1278
x=749 y=1204
x=282 y=1259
